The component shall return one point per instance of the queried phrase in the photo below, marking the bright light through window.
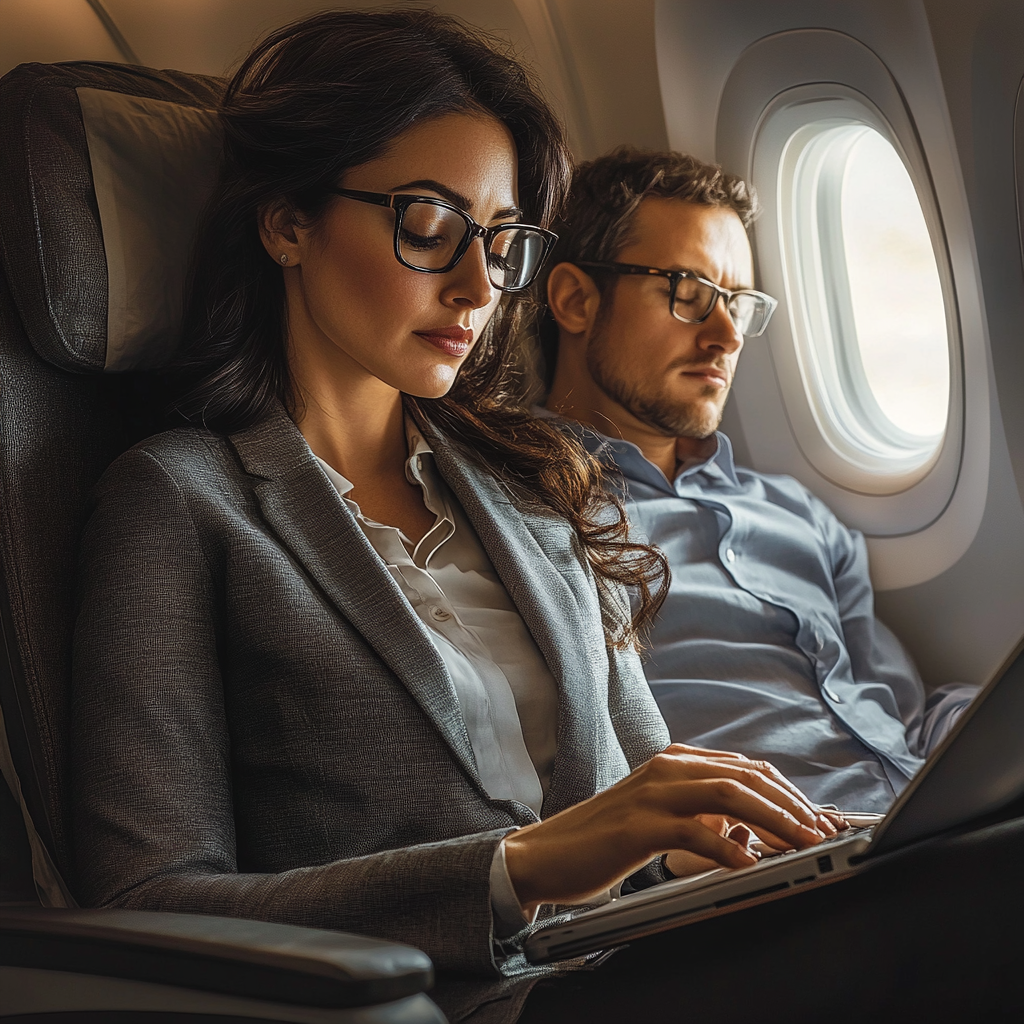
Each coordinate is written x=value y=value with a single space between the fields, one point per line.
x=867 y=308
x=894 y=288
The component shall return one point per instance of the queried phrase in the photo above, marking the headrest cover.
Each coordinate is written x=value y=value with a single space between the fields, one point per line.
x=154 y=165
x=107 y=168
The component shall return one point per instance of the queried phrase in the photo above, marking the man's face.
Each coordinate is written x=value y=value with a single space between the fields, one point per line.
x=672 y=376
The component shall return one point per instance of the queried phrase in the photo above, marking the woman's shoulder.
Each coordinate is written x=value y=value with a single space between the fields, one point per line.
x=186 y=458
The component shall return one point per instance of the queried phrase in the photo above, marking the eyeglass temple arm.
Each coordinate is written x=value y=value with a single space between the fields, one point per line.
x=377 y=198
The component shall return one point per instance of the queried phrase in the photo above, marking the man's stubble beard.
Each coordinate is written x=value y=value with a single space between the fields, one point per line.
x=649 y=401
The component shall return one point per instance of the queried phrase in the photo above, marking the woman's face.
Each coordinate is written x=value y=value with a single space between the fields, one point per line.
x=353 y=310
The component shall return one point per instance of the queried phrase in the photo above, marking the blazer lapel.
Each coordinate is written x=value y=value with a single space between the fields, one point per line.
x=535 y=556
x=299 y=503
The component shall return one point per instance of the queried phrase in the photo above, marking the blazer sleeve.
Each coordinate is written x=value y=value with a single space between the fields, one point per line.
x=154 y=825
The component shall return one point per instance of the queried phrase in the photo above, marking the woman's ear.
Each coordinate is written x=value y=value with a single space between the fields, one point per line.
x=573 y=299
x=277 y=232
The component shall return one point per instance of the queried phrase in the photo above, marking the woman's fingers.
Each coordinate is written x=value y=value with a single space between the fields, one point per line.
x=772 y=840
x=683 y=863
x=828 y=822
x=585 y=848
x=697 y=839
x=690 y=767
x=685 y=748
x=836 y=818
x=738 y=799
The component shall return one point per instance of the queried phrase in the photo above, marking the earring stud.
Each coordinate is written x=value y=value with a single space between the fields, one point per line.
x=284 y=258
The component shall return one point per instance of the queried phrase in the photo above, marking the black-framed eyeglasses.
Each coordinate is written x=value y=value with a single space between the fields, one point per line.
x=692 y=298
x=432 y=236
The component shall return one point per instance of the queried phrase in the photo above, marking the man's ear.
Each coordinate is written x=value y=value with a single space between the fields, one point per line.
x=277 y=232
x=573 y=298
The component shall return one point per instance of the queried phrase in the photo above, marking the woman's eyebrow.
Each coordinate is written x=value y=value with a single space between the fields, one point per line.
x=453 y=197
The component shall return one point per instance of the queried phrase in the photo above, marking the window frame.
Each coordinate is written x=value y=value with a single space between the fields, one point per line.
x=837 y=424
x=814 y=163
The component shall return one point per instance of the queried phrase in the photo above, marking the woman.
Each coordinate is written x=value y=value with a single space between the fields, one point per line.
x=345 y=640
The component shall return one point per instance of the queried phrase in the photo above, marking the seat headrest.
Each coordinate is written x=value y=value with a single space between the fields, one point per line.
x=105 y=169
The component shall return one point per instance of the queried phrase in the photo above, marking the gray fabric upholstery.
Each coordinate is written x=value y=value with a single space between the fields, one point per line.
x=259 y=713
x=58 y=432
x=50 y=233
x=58 y=429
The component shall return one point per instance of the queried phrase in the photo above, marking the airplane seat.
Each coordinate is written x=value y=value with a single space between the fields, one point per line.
x=105 y=169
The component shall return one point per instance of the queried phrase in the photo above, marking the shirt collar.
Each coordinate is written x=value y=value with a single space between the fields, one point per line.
x=415 y=443
x=631 y=462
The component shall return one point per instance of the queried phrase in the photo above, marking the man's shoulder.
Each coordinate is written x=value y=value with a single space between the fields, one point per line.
x=783 y=490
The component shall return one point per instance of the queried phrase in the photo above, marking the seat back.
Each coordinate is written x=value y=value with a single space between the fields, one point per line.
x=104 y=170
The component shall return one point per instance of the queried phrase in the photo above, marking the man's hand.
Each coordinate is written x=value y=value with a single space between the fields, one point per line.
x=680 y=800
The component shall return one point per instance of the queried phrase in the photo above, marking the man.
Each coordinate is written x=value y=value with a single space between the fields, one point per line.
x=767 y=642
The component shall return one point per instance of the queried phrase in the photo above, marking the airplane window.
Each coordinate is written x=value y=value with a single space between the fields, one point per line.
x=869 y=317
x=899 y=315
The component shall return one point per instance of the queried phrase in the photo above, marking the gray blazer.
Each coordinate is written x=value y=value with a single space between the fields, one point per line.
x=262 y=726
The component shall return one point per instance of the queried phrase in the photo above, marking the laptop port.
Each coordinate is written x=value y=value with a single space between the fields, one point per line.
x=751 y=895
x=806 y=878
x=824 y=864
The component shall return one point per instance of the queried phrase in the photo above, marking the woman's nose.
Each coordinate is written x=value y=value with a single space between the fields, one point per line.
x=470 y=284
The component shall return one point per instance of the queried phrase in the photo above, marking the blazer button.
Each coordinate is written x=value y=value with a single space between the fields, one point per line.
x=439 y=614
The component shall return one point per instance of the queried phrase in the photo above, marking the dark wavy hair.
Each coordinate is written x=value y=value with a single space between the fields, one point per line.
x=594 y=225
x=327 y=94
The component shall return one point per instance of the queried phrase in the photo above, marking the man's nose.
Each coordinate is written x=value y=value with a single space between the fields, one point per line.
x=720 y=330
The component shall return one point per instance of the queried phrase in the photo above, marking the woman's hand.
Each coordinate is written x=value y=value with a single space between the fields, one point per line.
x=662 y=806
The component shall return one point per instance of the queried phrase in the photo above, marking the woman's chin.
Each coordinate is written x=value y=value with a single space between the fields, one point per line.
x=431 y=385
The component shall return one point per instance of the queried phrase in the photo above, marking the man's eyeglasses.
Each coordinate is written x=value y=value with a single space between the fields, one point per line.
x=432 y=236
x=691 y=298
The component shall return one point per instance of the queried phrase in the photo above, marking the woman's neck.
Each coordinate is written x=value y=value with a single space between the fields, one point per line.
x=354 y=421
x=349 y=418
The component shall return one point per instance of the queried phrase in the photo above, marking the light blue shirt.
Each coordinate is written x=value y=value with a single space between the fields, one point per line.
x=767 y=642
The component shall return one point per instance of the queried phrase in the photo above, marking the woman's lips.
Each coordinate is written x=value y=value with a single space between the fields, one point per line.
x=452 y=341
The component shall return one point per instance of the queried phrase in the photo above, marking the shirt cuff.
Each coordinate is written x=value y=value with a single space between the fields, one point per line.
x=507 y=914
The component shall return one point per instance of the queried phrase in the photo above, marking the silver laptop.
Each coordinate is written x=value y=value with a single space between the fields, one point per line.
x=976 y=770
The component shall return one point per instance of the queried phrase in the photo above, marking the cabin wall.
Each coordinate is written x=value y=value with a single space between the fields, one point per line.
x=958 y=68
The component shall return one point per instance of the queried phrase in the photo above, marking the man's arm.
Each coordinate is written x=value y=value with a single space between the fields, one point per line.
x=875 y=652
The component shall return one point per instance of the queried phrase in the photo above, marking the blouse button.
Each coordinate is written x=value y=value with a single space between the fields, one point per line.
x=730 y=555
x=439 y=614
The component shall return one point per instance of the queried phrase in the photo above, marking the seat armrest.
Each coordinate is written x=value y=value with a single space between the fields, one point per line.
x=231 y=956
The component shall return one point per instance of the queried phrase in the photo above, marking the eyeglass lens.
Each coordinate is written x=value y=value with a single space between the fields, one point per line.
x=694 y=300
x=431 y=235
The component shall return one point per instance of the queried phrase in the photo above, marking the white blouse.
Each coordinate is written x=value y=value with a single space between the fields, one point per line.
x=509 y=698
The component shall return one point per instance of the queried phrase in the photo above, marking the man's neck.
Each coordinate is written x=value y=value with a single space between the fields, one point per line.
x=612 y=420
x=576 y=395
